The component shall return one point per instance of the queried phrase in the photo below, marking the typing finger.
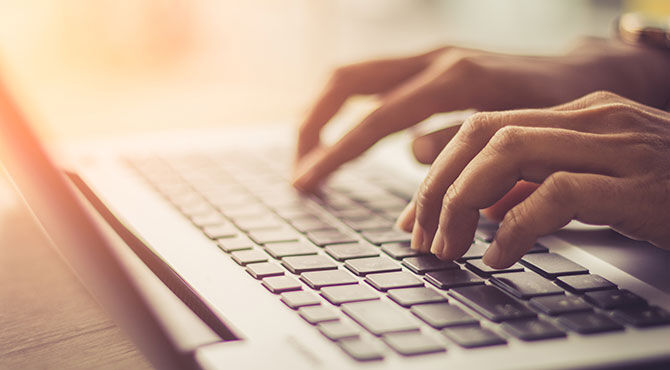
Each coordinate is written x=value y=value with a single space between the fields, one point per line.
x=412 y=104
x=371 y=77
x=562 y=197
x=517 y=153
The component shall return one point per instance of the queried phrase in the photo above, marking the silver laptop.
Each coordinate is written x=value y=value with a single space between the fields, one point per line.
x=199 y=248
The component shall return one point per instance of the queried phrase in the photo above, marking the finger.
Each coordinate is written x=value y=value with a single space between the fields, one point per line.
x=562 y=197
x=363 y=78
x=427 y=147
x=473 y=135
x=519 y=192
x=405 y=220
x=517 y=153
x=411 y=105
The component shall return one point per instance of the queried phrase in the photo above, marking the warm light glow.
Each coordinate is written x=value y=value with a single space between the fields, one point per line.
x=87 y=67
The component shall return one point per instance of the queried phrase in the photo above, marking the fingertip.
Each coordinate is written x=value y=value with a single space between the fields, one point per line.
x=437 y=246
x=493 y=257
x=418 y=235
x=423 y=150
x=406 y=219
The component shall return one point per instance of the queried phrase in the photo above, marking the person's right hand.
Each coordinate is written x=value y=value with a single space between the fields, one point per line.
x=451 y=78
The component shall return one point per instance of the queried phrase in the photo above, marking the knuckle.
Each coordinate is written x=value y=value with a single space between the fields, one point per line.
x=468 y=64
x=515 y=219
x=341 y=74
x=558 y=188
x=425 y=196
x=507 y=140
x=616 y=115
x=603 y=96
x=450 y=202
x=477 y=126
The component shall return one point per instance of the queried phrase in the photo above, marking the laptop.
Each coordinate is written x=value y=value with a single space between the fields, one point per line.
x=199 y=248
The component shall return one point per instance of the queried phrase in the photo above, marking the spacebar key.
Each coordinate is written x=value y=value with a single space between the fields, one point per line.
x=380 y=317
x=491 y=303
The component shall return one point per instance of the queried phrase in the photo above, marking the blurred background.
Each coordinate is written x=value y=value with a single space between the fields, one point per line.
x=95 y=67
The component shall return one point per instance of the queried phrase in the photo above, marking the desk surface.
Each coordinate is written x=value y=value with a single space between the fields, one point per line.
x=48 y=319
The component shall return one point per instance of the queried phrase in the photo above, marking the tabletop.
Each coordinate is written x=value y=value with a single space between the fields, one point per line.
x=48 y=319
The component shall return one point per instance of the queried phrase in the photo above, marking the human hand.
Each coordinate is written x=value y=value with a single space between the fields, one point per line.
x=451 y=78
x=601 y=159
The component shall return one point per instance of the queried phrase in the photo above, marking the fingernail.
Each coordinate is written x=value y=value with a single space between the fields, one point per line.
x=493 y=255
x=404 y=221
x=438 y=243
x=417 y=237
x=303 y=179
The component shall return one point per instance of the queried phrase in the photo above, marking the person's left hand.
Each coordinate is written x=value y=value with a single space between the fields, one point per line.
x=601 y=159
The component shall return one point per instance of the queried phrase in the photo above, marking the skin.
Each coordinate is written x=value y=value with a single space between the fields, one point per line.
x=601 y=158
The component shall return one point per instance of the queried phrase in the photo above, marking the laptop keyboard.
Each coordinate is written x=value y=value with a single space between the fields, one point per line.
x=337 y=252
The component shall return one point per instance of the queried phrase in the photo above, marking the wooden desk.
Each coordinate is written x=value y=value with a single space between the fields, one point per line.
x=47 y=318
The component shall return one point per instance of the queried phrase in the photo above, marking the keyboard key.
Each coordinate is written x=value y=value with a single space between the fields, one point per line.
x=242 y=210
x=485 y=234
x=644 y=316
x=280 y=284
x=476 y=250
x=208 y=219
x=327 y=237
x=371 y=223
x=292 y=213
x=410 y=296
x=393 y=280
x=478 y=266
x=538 y=248
x=310 y=224
x=532 y=329
x=588 y=322
x=317 y=314
x=320 y=279
x=338 y=330
x=473 y=336
x=281 y=250
x=612 y=299
x=264 y=269
x=560 y=304
x=442 y=315
x=361 y=350
x=426 y=263
x=399 y=250
x=551 y=265
x=380 y=317
x=348 y=293
x=196 y=209
x=237 y=243
x=386 y=236
x=300 y=264
x=353 y=214
x=584 y=283
x=447 y=279
x=258 y=223
x=343 y=252
x=526 y=284
x=491 y=303
x=299 y=299
x=364 y=266
x=273 y=236
x=413 y=343
x=220 y=231
x=246 y=257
